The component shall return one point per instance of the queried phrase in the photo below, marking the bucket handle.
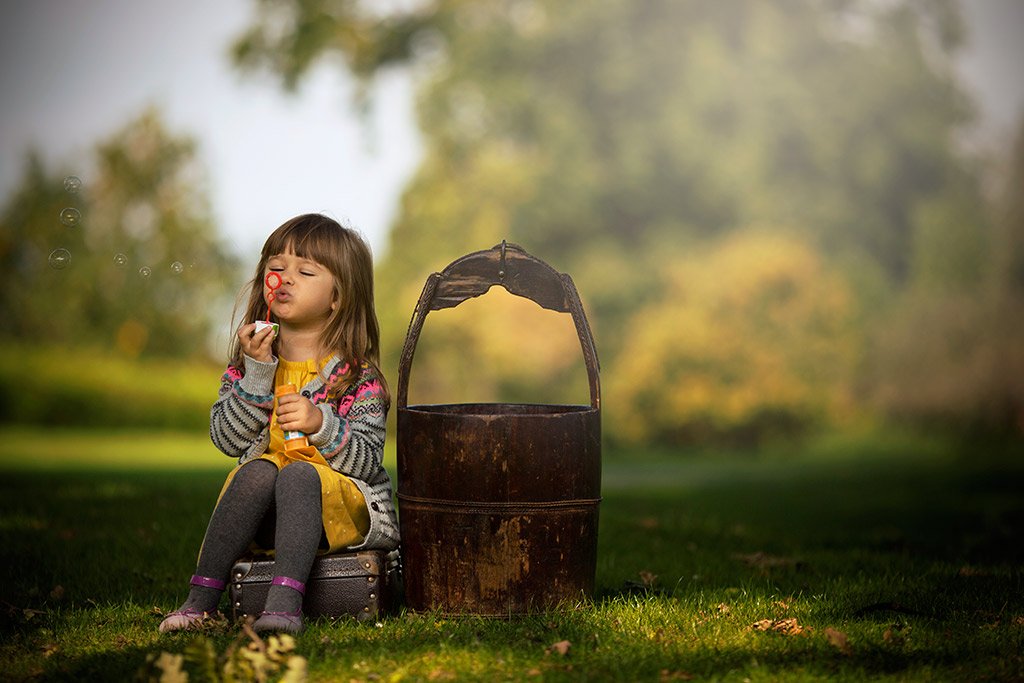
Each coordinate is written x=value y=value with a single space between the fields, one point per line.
x=510 y=266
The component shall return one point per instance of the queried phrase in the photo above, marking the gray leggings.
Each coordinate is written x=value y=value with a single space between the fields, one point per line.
x=263 y=503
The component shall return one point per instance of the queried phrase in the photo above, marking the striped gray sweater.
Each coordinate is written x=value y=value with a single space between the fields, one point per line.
x=351 y=438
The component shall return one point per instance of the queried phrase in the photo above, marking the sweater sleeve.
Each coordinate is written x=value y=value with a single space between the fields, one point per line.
x=243 y=407
x=351 y=438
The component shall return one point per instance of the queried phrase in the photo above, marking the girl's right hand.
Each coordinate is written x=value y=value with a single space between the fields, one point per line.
x=256 y=346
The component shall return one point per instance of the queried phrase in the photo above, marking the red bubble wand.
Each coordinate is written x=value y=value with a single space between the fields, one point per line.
x=271 y=276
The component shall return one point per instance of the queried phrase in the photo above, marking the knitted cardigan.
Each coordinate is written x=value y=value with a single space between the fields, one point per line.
x=351 y=438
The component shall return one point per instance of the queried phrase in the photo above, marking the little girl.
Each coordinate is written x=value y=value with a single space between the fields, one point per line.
x=333 y=493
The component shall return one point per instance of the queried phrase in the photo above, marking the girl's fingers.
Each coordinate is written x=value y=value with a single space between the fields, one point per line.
x=256 y=345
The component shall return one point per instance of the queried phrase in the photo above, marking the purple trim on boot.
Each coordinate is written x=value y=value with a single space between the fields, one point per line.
x=207 y=582
x=290 y=583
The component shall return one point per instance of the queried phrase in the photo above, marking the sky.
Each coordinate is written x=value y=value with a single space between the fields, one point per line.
x=72 y=72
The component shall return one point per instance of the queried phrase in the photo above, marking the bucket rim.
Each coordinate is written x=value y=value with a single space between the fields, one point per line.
x=484 y=408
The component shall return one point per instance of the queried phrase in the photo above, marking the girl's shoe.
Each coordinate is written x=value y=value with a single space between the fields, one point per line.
x=287 y=622
x=185 y=620
x=188 y=619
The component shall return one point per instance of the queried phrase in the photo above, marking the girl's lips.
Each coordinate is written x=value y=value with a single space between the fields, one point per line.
x=281 y=296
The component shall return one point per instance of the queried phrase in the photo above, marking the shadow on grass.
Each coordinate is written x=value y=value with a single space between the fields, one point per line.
x=927 y=551
x=75 y=538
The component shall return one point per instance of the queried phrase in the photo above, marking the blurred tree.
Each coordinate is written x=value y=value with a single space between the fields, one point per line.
x=1008 y=252
x=144 y=261
x=608 y=137
x=950 y=355
x=751 y=338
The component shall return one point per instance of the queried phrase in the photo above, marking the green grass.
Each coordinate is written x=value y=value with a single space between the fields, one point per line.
x=94 y=387
x=913 y=553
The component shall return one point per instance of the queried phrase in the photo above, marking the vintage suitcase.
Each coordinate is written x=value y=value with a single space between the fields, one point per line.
x=363 y=584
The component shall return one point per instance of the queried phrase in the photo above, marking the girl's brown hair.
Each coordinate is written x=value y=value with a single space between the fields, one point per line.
x=352 y=331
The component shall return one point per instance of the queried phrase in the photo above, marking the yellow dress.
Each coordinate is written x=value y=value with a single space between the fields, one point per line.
x=345 y=518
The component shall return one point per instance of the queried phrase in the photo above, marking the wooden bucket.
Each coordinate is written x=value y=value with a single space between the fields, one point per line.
x=498 y=503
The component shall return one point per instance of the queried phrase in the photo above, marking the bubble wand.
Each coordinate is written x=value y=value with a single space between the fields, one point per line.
x=273 y=282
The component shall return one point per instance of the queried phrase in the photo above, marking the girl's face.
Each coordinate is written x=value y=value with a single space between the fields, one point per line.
x=306 y=296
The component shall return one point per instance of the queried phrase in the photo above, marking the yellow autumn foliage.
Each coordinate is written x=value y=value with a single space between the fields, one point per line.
x=750 y=336
x=498 y=347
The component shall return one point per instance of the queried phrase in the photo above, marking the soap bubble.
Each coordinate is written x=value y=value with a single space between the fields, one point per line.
x=176 y=267
x=120 y=260
x=60 y=258
x=145 y=271
x=70 y=216
x=72 y=183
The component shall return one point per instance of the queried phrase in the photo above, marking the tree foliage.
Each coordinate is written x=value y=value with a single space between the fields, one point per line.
x=623 y=141
x=144 y=264
x=951 y=352
x=750 y=338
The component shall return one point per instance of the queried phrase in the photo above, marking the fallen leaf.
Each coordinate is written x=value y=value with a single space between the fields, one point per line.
x=560 y=648
x=787 y=627
x=533 y=672
x=764 y=561
x=782 y=604
x=648 y=523
x=57 y=593
x=967 y=570
x=1018 y=621
x=838 y=640
x=648 y=578
x=723 y=608
x=667 y=675
x=50 y=649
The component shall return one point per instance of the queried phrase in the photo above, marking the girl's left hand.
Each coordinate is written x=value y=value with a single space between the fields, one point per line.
x=296 y=413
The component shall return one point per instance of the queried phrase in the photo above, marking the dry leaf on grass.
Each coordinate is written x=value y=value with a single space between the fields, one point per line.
x=968 y=570
x=667 y=675
x=838 y=640
x=648 y=578
x=895 y=634
x=764 y=561
x=559 y=648
x=787 y=627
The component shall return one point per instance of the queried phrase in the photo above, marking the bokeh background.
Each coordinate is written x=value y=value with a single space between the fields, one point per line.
x=785 y=219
